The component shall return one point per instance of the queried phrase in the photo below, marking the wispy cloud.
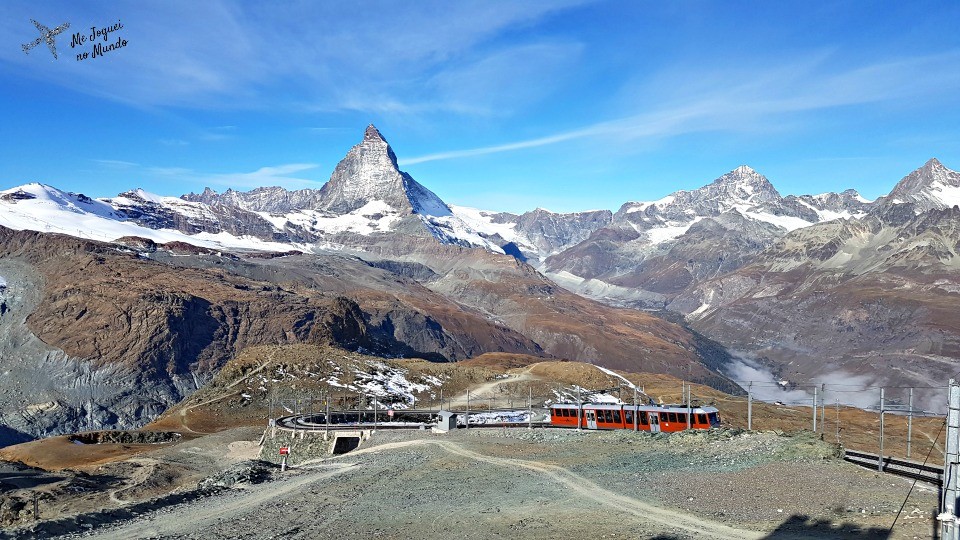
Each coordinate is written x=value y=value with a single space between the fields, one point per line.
x=737 y=104
x=173 y=142
x=220 y=54
x=279 y=175
x=116 y=163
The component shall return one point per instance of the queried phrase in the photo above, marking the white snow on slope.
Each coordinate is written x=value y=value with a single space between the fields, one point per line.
x=187 y=208
x=3 y=282
x=944 y=194
x=375 y=216
x=55 y=211
x=787 y=222
x=660 y=235
x=482 y=222
x=453 y=229
x=389 y=386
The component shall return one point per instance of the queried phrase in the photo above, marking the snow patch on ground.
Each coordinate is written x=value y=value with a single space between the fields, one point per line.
x=660 y=235
x=946 y=195
x=389 y=386
x=498 y=417
x=787 y=222
x=585 y=395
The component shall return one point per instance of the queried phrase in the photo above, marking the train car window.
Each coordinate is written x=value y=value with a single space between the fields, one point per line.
x=643 y=417
x=616 y=417
x=628 y=417
x=701 y=418
x=563 y=412
x=671 y=417
x=608 y=416
x=714 y=418
x=682 y=418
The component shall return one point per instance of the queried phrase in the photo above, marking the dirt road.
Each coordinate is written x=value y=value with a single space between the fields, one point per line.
x=541 y=484
x=484 y=392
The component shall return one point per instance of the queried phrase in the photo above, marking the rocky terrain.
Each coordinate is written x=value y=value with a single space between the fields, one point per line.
x=533 y=484
x=195 y=471
x=109 y=335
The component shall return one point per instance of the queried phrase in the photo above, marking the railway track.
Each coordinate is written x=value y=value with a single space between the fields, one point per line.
x=930 y=474
x=407 y=419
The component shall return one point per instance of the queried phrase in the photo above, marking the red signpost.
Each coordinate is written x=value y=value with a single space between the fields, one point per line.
x=284 y=450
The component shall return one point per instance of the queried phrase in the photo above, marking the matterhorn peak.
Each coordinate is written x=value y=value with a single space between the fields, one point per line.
x=369 y=174
x=372 y=134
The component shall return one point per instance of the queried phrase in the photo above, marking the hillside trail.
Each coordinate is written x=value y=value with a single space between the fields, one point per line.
x=485 y=391
x=194 y=517
x=223 y=395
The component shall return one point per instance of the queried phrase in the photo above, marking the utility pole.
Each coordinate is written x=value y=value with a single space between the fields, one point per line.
x=689 y=405
x=814 y=409
x=750 y=406
x=823 y=408
x=949 y=529
x=530 y=408
x=909 y=423
x=636 y=412
x=326 y=432
x=579 y=409
x=466 y=418
x=838 y=420
x=880 y=457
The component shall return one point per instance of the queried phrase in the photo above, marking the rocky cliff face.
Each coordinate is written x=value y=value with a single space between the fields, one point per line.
x=651 y=251
x=859 y=301
x=273 y=200
x=108 y=336
x=930 y=187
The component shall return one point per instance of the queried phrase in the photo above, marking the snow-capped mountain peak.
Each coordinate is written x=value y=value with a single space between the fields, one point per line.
x=743 y=184
x=373 y=134
x=369 y=172
x=932 y=186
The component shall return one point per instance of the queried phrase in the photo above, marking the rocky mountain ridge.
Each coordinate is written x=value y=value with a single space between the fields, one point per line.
x=415 y=283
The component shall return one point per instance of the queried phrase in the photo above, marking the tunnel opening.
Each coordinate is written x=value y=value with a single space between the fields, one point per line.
x=342 y=445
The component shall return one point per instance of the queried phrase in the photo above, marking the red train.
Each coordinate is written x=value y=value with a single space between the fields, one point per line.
x=653 y=418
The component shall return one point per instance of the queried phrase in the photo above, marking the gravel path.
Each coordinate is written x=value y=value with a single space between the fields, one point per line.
x=552 y=483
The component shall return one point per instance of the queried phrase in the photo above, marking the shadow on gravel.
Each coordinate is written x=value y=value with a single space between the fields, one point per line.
x=86 y=522
x=250 y=472
x=800 y=526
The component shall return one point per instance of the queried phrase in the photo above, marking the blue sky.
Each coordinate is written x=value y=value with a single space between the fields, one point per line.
x=566 y=105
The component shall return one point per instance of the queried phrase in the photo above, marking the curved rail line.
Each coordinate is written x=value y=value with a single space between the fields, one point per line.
x=908 y=469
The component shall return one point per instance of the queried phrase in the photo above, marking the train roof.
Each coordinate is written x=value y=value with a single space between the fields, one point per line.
x=612 y=406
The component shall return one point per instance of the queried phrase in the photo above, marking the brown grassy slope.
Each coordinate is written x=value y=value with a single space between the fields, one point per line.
x=223 y=405
x=564 y=324
x=57 y=453
x=115 y=307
